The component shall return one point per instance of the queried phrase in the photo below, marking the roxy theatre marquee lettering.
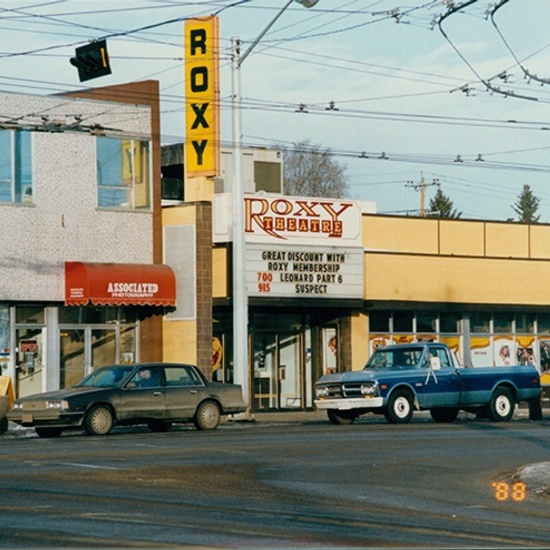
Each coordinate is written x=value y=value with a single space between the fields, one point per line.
x=276 y=217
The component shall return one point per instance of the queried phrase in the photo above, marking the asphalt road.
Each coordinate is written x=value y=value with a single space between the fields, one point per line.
x=269 y=484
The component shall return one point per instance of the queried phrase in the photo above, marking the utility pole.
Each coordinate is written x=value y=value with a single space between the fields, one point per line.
x=422 y=187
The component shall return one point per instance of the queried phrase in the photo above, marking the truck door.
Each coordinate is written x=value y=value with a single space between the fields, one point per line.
x=441 y=386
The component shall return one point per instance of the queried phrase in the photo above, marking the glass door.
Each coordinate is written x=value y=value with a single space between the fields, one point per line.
x=103 y=344
x=29 y=367
x=290 y=371
x=72 y=356
x=265 y=372
x=278 y=371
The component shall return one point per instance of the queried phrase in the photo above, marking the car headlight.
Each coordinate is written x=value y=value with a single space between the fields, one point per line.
x=57 y=405
x=370 y=389
x=321 y=391
x=17 y=406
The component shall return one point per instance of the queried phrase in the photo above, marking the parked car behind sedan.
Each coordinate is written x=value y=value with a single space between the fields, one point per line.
x=156 y=394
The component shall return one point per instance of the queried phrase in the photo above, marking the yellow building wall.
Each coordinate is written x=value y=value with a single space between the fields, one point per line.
x=540 y=241
x=454 y=261
x=220 y=281
x=400 y=234
x=456 y=280
x=507 y=240
x=179 y=337
x=459 y=238
x=359 y=344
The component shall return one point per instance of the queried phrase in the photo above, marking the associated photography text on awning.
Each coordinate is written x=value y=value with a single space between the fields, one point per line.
x=132 y=290
x=287 y=271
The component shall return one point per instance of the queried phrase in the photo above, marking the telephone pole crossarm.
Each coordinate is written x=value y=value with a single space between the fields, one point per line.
x=422 y=188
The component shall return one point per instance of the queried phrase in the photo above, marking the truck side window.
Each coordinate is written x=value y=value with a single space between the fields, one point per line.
x=442 y=355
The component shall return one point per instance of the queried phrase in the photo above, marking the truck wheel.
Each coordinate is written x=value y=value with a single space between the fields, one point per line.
x=99 y=420
x=501 y=406
x=340 y=418
x=444 y=414
x=399 y=409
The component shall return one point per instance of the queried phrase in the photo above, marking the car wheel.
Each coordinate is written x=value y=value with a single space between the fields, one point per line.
x=444 y=414
x=159 y=425
x=99 y=420
x=207 y=416
x=48 y=432
x=339 y=418
x=501 y=406
x=4 y=425
x=399 y=409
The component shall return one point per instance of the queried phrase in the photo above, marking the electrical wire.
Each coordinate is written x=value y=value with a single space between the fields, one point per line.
x=525 y=71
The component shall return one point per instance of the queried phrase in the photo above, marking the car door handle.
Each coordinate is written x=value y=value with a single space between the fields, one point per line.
x=157 y=393
x=193 y=392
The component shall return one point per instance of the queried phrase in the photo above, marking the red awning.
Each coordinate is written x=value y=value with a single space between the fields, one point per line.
x=119 y=284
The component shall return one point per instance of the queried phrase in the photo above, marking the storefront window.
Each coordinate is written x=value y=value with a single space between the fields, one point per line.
x=449 y=322
x=525 y=323
x=480 y=322
x=426 y=322
x=403 y=321
x=543 y=323
x=502 y=322
x=97 y=315
x=379 y=321
x=29 y=315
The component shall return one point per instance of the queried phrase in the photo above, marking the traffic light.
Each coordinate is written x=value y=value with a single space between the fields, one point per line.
x=91 y=60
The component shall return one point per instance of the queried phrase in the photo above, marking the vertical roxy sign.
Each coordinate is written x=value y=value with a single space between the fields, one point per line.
x=202 y=97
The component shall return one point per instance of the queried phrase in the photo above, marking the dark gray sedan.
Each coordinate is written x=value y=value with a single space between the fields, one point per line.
x=156 y=394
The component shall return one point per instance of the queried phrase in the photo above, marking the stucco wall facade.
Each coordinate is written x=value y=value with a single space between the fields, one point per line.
x=62 y=222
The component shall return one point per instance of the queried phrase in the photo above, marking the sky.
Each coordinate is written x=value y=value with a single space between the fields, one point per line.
x=454 y=95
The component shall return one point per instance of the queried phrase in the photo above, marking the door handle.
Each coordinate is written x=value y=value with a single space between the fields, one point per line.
x=157 y=393
x=193 y=392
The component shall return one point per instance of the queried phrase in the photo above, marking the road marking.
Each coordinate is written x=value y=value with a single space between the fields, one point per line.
x=78 y=465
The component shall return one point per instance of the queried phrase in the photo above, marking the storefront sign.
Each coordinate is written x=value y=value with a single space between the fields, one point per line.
x=296 y=220
x=119 y=284
x=202 y=90
x=285 y=218
x=292 y=271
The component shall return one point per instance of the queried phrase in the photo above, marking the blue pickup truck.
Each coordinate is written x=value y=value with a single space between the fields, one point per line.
x=425 y=376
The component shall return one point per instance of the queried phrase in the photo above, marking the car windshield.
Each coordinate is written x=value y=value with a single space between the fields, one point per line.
x=388 y=358
x=106 y=377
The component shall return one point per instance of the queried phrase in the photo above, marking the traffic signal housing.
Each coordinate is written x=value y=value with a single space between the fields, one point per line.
x=91 y=60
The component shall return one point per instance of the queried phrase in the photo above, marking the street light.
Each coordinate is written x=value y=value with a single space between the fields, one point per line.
x=240 y=298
